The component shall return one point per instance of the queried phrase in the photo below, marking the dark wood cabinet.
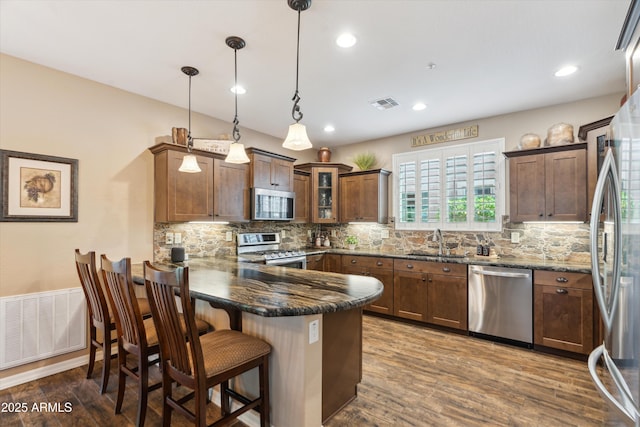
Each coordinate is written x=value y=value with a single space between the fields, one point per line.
x=432 y=292
x=333 y=263
x=270 y=170
x=230 y=191
x=302 y=187
x=315 y=262
x=364 y=196
x=447 y=295
x=180 y=196
x=410 y=289
x=378 y=267
x=219 y=192
x=563 y=311
x=324 y=190
x=548 y=184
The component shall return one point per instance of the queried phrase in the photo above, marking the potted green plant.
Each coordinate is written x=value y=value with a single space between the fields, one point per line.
x=365 y=161
x=351 y=242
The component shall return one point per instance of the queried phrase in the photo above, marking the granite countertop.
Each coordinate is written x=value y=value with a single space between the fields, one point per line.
x=534 y=264
x=272 y=291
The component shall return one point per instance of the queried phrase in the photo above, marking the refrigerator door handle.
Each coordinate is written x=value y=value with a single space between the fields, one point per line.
x=628 y=408
x=608 y=175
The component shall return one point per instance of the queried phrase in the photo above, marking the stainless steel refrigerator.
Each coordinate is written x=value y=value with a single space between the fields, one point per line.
x=615 y=258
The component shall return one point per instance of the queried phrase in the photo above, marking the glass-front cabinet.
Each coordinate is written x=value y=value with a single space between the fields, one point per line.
x=324 y=190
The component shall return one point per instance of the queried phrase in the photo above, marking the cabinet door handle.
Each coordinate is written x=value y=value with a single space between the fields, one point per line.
x=353 y=261
x=409 y=266
x=424 y=279
x=541 y=215
x=446 y=269
x=561 y=291
x=550 y=214
x=379 y=263
x=562 y=279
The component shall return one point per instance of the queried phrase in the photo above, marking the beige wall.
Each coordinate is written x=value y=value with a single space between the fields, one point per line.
x=108 y=130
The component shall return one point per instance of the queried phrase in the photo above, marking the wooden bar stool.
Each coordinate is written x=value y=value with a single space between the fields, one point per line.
x=201 y=362
x=100 y=315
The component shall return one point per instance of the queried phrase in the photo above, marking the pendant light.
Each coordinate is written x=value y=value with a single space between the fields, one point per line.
x=236 y=149
x=297 y=138
x=189 y=161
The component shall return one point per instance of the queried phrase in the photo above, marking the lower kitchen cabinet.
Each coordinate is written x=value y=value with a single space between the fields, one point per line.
x=410 y=289
x=447 y=295
x=315 y=262
x=563 y=311
x=333 y=263
x=432 y=292
x=381 y=269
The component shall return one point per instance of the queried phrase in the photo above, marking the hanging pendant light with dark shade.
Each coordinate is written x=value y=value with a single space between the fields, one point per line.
x=236 y=149
x=297 y=138
x=189 y=161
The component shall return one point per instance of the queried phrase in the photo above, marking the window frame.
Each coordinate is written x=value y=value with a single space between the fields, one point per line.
x=440 y=153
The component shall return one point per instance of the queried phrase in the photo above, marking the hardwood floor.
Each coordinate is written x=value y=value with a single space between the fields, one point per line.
x=412 y=376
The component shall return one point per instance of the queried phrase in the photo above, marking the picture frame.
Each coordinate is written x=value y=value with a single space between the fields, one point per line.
x=38 y=188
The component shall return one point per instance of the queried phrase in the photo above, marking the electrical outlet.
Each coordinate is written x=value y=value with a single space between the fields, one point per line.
x=334 y=233
x=384 y=234
x=229 y=236
x=177 y=238
x=283 y=234
x=314 y=331
x=309 y=233
x=168 y=238
x=515 y=237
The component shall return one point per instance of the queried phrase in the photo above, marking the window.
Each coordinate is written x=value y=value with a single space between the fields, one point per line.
x=452 y=188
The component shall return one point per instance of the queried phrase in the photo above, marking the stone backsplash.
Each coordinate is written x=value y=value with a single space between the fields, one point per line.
x=546 y=241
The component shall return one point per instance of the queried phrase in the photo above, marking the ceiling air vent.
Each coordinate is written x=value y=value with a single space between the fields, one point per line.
x=384 y=103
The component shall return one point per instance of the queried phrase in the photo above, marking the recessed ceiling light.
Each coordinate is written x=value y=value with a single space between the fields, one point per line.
x=566 y=71
x=329 y=128
x=419 y=106
x=239 y=89
x=346 y=40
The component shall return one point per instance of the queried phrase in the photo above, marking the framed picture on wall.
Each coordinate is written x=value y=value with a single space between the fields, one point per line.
x=38 y=188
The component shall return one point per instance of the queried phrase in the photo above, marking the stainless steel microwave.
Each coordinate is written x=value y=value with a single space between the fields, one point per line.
x=272 y=205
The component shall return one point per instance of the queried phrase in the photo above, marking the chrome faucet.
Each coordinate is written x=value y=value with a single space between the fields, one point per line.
x=437 y=236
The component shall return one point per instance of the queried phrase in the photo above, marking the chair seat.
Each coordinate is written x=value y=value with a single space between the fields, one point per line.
x=226 y=349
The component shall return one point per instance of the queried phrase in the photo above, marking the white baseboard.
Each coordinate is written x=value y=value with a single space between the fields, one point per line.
x=45 y=371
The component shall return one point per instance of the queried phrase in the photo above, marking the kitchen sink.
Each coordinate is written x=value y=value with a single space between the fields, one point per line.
x=435 y=255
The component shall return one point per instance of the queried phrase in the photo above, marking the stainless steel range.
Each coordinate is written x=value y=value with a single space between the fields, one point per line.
x=267 y=245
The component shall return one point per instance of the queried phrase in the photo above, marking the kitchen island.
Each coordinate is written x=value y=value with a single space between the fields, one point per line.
x=313 y=320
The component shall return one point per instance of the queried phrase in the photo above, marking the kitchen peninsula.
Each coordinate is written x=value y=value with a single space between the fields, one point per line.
x=313 y=320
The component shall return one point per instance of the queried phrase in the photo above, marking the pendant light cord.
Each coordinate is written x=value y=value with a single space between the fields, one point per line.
x=236 y=131
x=189 y=139
x=295 y=112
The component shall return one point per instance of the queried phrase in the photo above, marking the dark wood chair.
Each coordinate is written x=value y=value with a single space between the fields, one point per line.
x=137 y=337
x=201 y=362
x=100 y=317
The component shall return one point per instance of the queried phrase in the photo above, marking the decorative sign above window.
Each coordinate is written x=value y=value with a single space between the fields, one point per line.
x=445 y=136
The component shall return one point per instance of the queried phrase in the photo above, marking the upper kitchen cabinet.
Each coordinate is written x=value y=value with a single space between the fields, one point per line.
x=548 y=183
x=302 y=187
x=364 y=196
x=218 y=193
x=230 y=191
x=270 y=170
x=324 y=190
x=629 y=41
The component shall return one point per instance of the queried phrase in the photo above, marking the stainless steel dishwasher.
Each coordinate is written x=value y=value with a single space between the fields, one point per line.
x=501 y=303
